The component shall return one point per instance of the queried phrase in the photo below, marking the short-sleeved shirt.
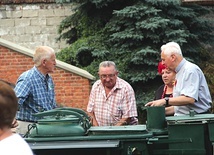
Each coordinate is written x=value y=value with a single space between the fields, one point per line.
x=120 y=103
x=191 y=82
x=35 y=93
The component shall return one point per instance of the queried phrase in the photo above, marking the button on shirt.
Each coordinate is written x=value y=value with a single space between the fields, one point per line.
x=35 y=93
x=191 y=82
x=120 y=103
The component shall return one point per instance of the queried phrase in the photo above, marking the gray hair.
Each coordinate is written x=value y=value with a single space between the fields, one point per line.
x=41 y=53
x=171 y=48
x=107 y=64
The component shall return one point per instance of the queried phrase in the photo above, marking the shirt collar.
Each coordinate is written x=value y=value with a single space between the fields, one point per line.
x=40 y=74
x=178 y=68
x=118 y=84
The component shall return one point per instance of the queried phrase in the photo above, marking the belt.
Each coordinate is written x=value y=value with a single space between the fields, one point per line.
x=26 y=121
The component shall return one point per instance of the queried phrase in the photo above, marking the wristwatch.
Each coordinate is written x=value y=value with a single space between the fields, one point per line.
x=167 y=101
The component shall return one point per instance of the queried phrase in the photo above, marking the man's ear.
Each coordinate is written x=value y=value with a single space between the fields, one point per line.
x=43 y=61
x=173 y=57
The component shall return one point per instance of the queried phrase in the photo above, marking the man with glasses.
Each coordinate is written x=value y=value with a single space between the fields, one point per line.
x=112 y=100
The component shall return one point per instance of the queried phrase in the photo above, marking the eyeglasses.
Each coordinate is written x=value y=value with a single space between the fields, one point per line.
x=104 y=76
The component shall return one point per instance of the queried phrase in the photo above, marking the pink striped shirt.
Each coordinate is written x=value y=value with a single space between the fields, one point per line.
x=120 y=103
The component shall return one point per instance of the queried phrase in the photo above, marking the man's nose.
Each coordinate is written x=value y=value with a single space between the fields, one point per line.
x=108 y=78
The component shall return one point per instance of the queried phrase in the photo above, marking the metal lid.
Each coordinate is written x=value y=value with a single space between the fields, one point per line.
x=190 y=118
x=59 y=115
x=129 y=129
x=61 y=119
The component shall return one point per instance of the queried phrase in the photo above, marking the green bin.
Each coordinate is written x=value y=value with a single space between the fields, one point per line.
x=66 y=131
x=189 y=135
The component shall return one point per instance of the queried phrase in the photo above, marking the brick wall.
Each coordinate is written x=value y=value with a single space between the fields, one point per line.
x=71 y=89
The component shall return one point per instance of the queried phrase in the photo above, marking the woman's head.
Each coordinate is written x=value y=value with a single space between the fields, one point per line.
x=8 y=105
x=168 y=75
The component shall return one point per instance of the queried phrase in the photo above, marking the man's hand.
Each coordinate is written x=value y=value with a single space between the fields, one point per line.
x=92 y=119
x=14 y=124
x=123 y=121
x=160 y=102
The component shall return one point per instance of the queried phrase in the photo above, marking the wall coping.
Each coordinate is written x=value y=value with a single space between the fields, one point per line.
x=59 y=64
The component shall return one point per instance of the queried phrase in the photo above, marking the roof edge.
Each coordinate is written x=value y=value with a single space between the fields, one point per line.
x=200 y=2
x=59 y=63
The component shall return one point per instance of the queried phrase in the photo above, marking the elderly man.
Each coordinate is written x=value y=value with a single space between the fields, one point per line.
x=190 y=91
x=35 y=88
x=112 y=100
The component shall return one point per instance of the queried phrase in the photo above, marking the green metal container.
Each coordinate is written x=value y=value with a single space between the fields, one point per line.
x=189 y=135
x=60 y=122
x=111 y=140
x=156 y=121
x=64 y=131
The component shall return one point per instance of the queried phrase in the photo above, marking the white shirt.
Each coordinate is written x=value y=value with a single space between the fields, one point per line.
x=191 y=82
x=14 y=145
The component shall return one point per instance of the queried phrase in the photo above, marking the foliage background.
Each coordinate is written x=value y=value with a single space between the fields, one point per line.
x=130 y=33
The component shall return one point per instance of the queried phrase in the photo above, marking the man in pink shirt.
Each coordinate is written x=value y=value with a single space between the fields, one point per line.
x=112 y=100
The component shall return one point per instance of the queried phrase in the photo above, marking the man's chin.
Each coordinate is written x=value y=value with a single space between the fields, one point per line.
x=109 y=86
x=51 y=71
